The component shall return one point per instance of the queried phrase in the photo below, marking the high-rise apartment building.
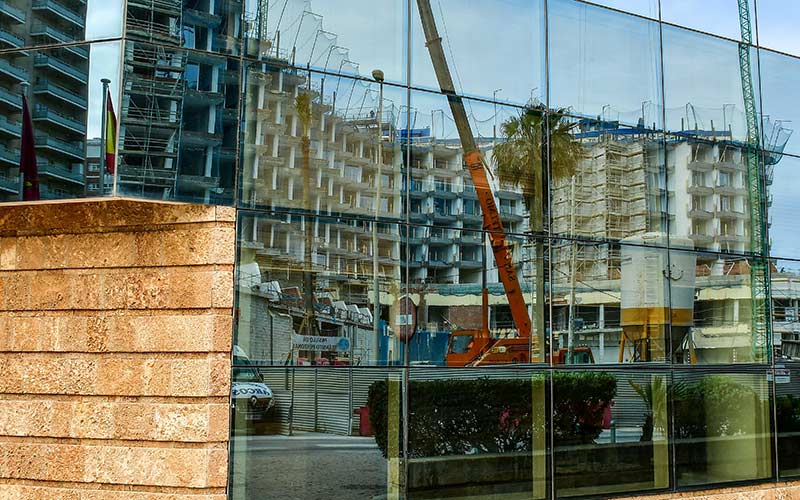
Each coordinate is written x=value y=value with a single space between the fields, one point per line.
x=56 y=84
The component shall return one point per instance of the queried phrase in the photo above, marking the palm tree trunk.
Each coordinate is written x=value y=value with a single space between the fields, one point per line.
x=537 y=227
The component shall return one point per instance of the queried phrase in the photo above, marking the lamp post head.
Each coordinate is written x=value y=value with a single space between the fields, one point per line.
x=105 y=80
x=377 y=75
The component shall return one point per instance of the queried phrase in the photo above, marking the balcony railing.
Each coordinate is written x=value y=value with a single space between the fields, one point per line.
x=44 y=113
x=43 y=86
x=10 y=98
x=12 y=12
x=13 y=128
x=42 y=29
x=60 y=172
x=20 y=74
x=60 y=10
x=75 y=148
x=61 y=66
x=11 y=39
x=10 y=156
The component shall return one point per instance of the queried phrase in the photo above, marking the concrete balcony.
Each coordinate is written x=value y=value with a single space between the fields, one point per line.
x=10 y=40
x=70 y=123
x=701 y=240
x=49 y=33
x=701 y=166
x=698 y=189
x=472 y=217
x=510 y=216
x=60 y=172
x=74 y=149
x=440 y=241
x=9 y=157
x=61 y=11
x=11 y=13
x=10 y=128
x=64 y=68
x=67 y=96
x=469 y=264
x=200 y=18
x=9 y=184
x=443 y=217
x=698 y=213
x=10 y=99
x=15 y=72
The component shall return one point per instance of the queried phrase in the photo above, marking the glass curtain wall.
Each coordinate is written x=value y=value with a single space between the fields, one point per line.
x=602 y=307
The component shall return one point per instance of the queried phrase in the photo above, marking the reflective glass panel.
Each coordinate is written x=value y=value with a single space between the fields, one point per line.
x=719 y=17
x=351 y=39
x=443 y=192
x=610 y=303
x=721 y=426
x=456 y=324
x=787 y=409
x=306 y=290
x=178 y=124
x=610 y=432
x=314 y=143
x=776 y=25
x=505 y=63
x=718 y=308
x=783 y=206
x=309 y=432
x=604 y=64
x=65 y=100
x=207 y=26
x=647 y=8
x=477 y=433
x=708 y=196
x=37 y=23
x=607 y=181
x=703 y=85
x=780 y=78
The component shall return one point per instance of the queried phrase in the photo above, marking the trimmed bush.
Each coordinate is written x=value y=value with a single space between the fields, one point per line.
x=457 y=417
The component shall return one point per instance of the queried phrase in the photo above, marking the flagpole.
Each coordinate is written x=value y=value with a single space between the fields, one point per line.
x=103 y=136
x=24 y=89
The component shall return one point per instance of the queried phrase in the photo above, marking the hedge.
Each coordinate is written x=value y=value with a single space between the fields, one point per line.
x=456 y=417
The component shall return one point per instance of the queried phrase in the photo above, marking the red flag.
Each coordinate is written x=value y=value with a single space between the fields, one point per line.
x=111 y=134
x=27 y=160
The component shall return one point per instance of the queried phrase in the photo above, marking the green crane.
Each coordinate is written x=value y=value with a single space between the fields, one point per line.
x=756 y=186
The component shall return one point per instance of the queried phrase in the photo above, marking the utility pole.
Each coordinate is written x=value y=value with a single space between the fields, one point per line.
x=572 y=266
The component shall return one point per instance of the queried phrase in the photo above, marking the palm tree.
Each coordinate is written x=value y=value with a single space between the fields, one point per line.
x=521 y=160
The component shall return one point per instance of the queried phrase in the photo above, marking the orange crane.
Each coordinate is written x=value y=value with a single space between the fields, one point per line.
x=468 y=347
x=478 y=347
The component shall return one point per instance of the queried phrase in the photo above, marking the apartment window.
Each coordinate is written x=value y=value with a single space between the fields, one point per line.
x=725 y=179
x=725 y=203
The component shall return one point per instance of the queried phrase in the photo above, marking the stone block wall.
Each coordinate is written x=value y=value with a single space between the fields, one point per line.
x=115 y=343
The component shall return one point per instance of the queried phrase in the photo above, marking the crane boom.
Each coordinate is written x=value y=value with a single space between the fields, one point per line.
x=474 y=161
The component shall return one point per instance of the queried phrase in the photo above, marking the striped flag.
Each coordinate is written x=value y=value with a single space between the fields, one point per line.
x=111 y=134
x=28 y=168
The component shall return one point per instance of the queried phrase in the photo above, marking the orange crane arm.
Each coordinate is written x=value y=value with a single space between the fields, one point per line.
x=474 y=160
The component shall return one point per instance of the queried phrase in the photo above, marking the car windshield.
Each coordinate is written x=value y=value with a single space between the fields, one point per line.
x=241 y=374
x=460 y=344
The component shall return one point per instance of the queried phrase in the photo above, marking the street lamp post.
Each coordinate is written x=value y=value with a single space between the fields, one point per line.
x=376 y=307
x=494 y=127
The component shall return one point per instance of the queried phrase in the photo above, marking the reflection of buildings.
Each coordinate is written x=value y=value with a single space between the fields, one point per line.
x=445 y=239
x=622 y=188
x=57 y=94
x=93 y=162
x=177 y=103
